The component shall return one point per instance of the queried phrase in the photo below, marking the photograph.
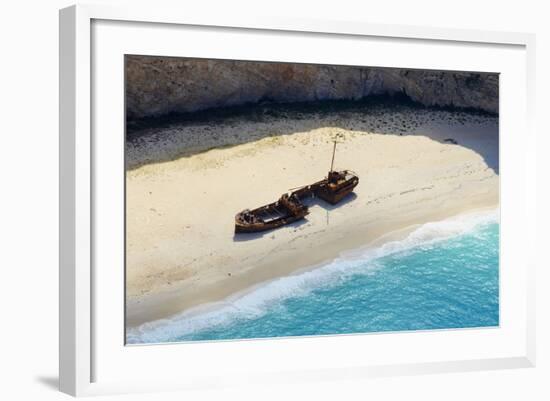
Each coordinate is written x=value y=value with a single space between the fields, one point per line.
x=274 y=199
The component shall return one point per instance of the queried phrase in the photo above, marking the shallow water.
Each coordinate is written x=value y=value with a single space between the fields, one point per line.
x=443 y=275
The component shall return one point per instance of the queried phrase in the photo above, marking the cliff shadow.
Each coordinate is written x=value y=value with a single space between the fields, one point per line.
x=171 y=137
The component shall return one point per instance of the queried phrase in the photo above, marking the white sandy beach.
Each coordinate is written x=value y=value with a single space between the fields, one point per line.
x=182 y=198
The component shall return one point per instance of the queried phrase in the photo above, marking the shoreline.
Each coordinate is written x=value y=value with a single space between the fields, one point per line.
x=161 y=306
x=376 y=244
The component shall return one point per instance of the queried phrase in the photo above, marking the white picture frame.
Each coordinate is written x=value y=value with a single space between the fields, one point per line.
x=86 y=351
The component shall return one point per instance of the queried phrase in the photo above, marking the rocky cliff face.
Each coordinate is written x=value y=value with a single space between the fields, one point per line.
x=162 y=85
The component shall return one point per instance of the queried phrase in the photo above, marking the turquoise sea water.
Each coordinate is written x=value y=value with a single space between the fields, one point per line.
x=443 y=275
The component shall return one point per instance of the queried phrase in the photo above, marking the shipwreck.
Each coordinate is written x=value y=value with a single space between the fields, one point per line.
x=290 y=206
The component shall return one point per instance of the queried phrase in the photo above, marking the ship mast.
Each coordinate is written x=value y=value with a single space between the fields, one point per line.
x=333 y=153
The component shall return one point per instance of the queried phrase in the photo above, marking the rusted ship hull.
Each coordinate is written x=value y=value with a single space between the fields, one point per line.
x=259 y=227
x=334 y=197
x=289 y=208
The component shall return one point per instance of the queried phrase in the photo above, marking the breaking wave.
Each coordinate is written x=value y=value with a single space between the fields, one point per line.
x=263 y=298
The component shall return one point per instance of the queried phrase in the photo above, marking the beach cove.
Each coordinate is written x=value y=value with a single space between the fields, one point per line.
x=185 y=183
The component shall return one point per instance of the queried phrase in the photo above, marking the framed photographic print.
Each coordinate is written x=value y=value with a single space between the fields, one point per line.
x=273 y=200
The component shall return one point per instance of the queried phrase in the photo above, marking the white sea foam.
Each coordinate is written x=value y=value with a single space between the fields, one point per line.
x=257 y=301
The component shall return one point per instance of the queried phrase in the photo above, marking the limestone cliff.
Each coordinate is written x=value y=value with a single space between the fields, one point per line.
x=162 y=85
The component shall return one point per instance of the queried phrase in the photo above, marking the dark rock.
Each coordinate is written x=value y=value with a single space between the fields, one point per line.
x=162 y=85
